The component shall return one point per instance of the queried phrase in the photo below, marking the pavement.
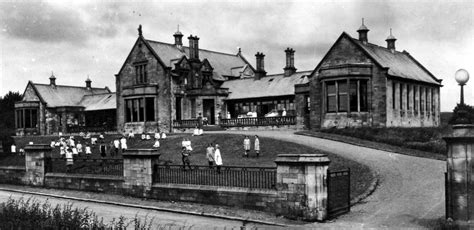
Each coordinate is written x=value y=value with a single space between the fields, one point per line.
x=410 y=193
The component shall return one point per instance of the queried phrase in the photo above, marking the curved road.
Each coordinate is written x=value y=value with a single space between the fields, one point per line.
x=410 y=193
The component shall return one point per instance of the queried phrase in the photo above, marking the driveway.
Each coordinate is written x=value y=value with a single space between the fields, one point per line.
x=410 y=193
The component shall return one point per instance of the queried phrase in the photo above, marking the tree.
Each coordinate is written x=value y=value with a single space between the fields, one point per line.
x=7 y=113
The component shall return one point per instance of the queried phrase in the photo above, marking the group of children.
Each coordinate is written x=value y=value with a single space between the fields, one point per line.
x=247 y=145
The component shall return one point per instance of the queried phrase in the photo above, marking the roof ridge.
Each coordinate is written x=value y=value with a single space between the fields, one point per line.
x=271 y=75
x=170 y=44
x=303 y=71
x=96 y=94
x=71 y=86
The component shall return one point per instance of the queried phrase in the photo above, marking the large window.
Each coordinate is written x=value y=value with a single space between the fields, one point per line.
x=415 y=100
x=394 y=87
x=141 y=74
x=140 y=109
x=409 y=89
x=401 y=96
x=193 y=108
x=422 y=100
x=339 y=94
x=26 y=118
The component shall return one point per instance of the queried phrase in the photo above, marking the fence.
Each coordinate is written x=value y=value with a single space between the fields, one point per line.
x=106 y=166
x=191 y=123
x=92 y=129
x=230 y=176
x=259 y=121
x=339 y=188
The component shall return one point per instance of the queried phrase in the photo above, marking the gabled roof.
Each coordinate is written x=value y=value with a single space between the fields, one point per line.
x=62 y=95
x=99 y=101
x=399 y=64
x=268 y=86
x=223 y=63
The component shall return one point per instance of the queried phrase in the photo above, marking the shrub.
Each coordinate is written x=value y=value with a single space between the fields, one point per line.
x=468 y=114
x=31 y=214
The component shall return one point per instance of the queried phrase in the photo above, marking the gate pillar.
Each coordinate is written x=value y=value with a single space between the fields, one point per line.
x=34 y=164
x=138 y=170
x=301 y=186
x=460 y=177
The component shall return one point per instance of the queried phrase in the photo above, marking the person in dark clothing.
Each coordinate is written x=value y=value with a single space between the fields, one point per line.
x=185 y=158
x=102 y=149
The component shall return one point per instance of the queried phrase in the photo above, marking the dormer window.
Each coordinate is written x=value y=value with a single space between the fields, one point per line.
x=141 y=73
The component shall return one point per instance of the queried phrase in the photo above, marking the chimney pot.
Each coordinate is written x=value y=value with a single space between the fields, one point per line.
x=260 y=71
x=193 y=47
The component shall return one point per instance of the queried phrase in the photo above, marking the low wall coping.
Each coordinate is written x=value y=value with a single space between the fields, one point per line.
x=141 y=153
x=302 y=158
x=12 y=167
x=86 y=176
x=217 y=188
x=462 y=132
x=38 y=147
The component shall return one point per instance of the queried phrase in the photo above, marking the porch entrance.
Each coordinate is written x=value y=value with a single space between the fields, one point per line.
x=208 y=111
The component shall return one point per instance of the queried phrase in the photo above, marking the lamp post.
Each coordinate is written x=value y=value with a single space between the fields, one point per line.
x=460 y=176
x=462 y=76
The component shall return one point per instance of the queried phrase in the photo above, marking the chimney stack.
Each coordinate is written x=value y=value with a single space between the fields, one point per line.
x=88 y=83
x=178 y=39
x=363 y=33
x=290 y=62
x=193 y=47
x=52 y=80
x=391 y=42
x=260 y=71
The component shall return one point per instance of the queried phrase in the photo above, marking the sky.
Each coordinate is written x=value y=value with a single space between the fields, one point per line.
x=77 y=39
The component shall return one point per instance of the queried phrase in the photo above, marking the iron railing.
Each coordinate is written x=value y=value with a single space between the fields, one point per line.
x=190 y=123
x=258 y=121
x=339 y=192
x=105 y=166
x=92 y=129
x=230 y=176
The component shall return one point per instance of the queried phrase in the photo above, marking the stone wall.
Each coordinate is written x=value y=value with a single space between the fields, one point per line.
x=12 y=174
x=93 y=183
x=256 y=199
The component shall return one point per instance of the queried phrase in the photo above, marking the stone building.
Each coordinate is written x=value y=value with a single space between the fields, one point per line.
x=162 y=86
x=358 y=83
x=50 y=108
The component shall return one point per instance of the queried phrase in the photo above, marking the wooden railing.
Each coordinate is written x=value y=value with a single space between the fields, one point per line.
x=259 y=121
x=190 y=123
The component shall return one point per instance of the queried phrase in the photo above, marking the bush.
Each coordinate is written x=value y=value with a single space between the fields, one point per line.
x=425 y=139
x=31 y=214
x=467 y=114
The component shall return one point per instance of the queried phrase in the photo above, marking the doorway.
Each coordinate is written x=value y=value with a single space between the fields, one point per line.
x=208 y=111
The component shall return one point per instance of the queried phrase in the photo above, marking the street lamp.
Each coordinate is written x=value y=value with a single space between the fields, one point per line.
x=462 y=76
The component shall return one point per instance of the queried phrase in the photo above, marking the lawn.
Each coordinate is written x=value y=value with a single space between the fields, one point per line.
x=231 y=150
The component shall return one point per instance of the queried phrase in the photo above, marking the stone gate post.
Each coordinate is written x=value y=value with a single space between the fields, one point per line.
x=460 y=176
x=138 y=170
x=34 y=164
x=301 y=186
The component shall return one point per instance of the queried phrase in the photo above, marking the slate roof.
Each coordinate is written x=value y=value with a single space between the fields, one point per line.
x=63 y=95
x=222 y=63
x=99 y=102
x=269 y=86
x=399 y=64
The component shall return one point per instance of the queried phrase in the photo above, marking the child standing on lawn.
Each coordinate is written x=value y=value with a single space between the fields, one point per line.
x=246 y=146
x=185 y=158
x=210 y=155
x=218 y=158
x=88 y=151
x=102 y=149
x=257 y=145
x=69 y=159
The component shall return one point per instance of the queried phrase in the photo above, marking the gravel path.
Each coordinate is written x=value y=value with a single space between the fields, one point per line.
x=410 y=193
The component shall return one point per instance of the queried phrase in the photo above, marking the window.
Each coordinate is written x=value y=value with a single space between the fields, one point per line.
x=394 y=85
x=401 y=96
x=433 y=100
x=340 y=93
x=140 y=109
x=193 y=108
x=307 y=104
x=422 y=100
x=427 y=106
x=415 y=101
x=27 y=118
x=409 y=89
x=331 y=96
x=141 y=74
